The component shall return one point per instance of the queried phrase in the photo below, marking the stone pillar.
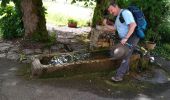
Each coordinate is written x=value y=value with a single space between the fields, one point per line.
x=99 y=38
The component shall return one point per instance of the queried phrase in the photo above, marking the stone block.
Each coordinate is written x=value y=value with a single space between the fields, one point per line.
x=28 y=51
x=3 y=55
x=12 y=56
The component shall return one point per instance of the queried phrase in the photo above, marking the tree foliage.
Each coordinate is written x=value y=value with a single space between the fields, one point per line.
x=16 y=2
x=86 y=2
x=27 y=9
x=10 y=22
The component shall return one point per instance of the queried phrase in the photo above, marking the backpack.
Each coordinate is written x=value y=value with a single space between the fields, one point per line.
x=139 y=19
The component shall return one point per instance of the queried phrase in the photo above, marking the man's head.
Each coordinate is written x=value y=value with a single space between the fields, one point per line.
x=113 y=9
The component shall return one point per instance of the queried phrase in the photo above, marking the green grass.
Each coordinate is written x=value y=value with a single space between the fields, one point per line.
x=61 y=19
x=57 y=16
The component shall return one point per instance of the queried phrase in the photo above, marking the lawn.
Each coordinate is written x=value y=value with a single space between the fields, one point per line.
x=58 y=13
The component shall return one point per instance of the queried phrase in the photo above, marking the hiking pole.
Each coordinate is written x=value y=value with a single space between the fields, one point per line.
x=138 y=47
x=119 y=51
x=146 y=52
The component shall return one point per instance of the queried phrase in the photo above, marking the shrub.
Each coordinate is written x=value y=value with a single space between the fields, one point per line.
x=163 y=50
x=51 y=39
x=152 y=36
x=10 y=23
x=164 y=31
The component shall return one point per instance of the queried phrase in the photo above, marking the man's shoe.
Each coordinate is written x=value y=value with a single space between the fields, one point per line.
x=116 y=79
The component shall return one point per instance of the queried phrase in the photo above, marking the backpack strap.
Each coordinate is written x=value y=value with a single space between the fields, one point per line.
x=121 y=19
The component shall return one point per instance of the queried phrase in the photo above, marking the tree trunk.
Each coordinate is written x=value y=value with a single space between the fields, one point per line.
x=34 y=19
x=101 y=6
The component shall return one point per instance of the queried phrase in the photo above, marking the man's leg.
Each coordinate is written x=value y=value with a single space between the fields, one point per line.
x=124 y=67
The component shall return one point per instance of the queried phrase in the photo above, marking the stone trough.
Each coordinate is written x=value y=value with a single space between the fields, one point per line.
x=99 y=59
x=98 y=63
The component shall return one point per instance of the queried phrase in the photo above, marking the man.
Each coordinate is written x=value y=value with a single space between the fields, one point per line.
x=126 y=34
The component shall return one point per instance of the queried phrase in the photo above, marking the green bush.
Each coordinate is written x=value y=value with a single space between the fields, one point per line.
x=51 y=39
x=163 y=50
x=152 y=36
x=10 y=23
x=164 y=31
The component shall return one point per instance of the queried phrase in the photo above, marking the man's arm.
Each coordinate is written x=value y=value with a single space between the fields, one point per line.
x=132 y=27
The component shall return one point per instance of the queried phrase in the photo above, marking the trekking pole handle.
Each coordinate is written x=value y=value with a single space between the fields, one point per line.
x=130 y=45
x=141 y=48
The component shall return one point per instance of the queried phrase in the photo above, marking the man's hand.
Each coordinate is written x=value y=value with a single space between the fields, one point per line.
x=105 y=22
x=123 y=41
